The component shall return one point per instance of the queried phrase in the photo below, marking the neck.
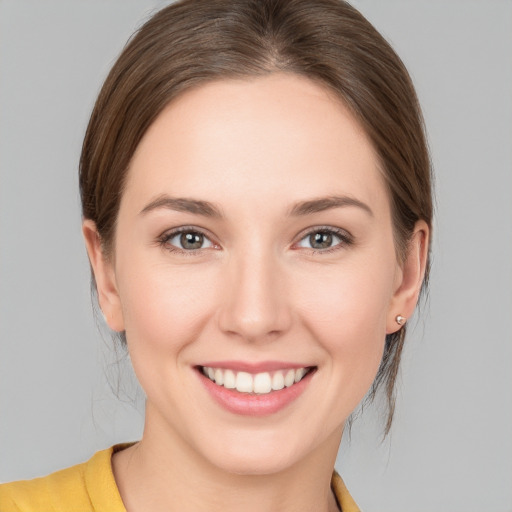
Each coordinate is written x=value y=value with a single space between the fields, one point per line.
x=162 y=473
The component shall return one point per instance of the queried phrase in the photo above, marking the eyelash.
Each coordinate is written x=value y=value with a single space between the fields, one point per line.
x=164 y=239
x=345 y=239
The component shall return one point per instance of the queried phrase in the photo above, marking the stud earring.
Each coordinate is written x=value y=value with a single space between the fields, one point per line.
x=400 y=320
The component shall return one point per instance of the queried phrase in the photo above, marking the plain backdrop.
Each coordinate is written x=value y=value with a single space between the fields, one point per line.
x=451 y=444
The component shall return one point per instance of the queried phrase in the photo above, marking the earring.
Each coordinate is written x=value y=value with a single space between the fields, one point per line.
x=400 y=320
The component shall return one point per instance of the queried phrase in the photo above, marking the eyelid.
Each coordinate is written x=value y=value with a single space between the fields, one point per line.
x=166 y=236
x=346 y=239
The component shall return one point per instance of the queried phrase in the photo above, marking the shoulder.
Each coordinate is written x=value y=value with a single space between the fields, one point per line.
x=345 y=500
x=59 y=489
x=84 y=487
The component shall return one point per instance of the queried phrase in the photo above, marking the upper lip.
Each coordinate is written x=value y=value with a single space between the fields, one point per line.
x=253 y=367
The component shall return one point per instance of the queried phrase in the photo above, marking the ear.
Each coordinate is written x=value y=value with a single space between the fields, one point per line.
x=409 y=277
x=104 y=276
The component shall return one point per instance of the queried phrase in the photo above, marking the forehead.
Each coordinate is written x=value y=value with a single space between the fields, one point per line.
x=272 y=139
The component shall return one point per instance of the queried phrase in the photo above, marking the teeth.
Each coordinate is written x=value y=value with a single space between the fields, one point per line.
x=289 y=378
x=244 y=382
x=260 y=384
x=219 y=377
x=229 y=379
x=277 y=381
x=299 y=373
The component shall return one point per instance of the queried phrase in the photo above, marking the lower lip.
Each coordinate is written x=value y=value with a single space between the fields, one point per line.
x=249 y=404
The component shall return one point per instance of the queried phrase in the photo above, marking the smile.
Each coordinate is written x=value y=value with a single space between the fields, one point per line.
x=260 y=383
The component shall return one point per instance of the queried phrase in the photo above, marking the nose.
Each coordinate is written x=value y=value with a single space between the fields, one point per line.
x=255 y=306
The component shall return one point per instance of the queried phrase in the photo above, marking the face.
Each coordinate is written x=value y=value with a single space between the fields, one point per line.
x=254 y=247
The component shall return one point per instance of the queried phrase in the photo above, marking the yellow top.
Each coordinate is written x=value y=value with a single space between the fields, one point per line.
x=90 y=487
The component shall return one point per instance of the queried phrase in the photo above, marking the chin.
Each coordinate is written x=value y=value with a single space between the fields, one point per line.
x=254 y=464
x=261 y=455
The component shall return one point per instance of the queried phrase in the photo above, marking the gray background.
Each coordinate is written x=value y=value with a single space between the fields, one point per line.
x=451 y=444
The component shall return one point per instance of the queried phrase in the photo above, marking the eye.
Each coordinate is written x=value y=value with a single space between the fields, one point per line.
x=325 y=239
x=186 y=239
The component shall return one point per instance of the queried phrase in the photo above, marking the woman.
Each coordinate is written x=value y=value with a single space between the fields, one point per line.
x=257 y=212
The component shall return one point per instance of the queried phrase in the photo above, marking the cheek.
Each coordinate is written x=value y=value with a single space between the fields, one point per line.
x=346 y=311
x=164 y=307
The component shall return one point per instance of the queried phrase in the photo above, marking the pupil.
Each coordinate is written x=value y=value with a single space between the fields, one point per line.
x=191 y=240
x=320 y=240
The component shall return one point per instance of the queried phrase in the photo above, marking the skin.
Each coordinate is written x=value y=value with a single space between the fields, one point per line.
x=255 y=291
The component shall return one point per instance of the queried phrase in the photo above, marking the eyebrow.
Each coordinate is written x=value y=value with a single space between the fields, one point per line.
x=327 y=203
x=207 y=209
x=183 y=204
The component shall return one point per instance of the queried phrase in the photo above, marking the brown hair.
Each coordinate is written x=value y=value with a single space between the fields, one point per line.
x=195 y=41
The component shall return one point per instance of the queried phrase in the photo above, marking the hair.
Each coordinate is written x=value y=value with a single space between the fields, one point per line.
x=192 y=42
